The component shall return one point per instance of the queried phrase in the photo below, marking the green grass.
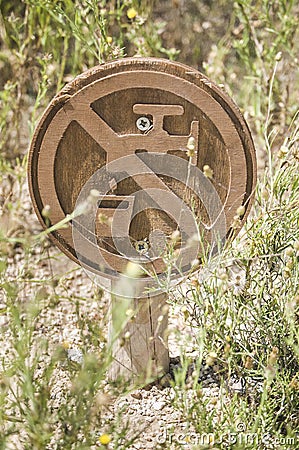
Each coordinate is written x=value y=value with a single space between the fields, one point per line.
x=244 y=316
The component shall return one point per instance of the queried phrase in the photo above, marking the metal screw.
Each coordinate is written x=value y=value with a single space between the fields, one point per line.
x=143 y=123
x=141 y=247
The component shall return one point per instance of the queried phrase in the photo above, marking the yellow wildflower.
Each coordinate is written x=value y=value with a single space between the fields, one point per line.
x=131 y=13
x=105 y=439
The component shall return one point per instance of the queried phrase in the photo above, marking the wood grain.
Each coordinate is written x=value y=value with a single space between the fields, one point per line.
x=140 y=350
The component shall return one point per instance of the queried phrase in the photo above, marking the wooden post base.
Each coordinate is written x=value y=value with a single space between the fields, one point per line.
x=139 y=349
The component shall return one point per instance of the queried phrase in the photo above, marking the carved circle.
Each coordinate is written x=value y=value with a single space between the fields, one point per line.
x=92 y=122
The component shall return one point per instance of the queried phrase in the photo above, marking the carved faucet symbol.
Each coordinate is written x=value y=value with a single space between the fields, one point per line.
x=156 y=139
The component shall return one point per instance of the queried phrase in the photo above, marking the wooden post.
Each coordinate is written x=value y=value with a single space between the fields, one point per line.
x=139 y=338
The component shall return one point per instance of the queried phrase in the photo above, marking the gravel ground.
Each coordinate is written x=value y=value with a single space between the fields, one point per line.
x=150 y=411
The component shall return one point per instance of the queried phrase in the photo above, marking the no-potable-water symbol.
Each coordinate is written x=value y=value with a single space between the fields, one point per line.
x=122 y=129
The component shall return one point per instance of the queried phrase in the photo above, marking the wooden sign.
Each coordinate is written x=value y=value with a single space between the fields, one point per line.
x=163 y=148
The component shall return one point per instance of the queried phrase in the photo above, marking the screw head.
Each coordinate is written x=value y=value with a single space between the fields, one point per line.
x=143 y=123
x=141 y=247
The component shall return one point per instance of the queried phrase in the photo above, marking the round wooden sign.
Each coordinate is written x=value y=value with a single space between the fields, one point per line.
x=148 y=152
